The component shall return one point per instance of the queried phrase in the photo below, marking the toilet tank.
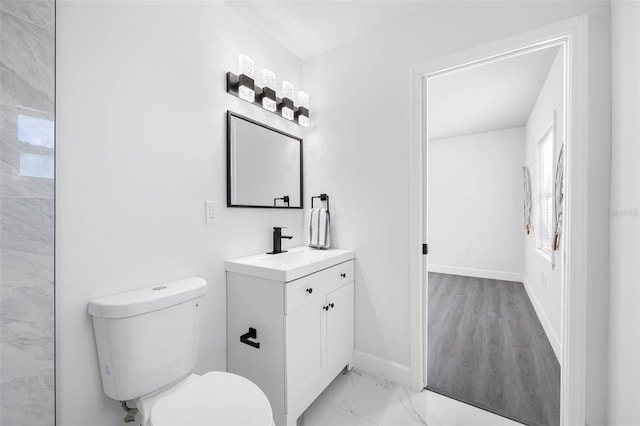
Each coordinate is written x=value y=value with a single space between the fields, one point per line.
x=147 y=338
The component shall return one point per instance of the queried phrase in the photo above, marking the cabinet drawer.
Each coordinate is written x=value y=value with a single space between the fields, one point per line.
x=305 y=290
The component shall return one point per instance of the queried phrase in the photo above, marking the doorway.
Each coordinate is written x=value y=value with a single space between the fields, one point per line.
x=494 y=281
x=571 y=35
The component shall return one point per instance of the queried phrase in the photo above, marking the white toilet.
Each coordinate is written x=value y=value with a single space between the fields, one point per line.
x=147 y=344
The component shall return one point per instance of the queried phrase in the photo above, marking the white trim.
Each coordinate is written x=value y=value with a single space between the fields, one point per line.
x=417 y=311
x=478 y=273
x=544 y=320
x=573 y=33
x=388 y=370
x=545 y=256
x=576 y=232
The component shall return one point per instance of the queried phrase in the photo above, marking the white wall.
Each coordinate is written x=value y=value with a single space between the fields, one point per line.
x=624 y=218
x=141 y=144
x=475 y=204
x=359 y=142
x=542 y=281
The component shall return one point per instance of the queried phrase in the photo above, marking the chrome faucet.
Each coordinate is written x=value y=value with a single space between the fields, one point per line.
x=277 y=240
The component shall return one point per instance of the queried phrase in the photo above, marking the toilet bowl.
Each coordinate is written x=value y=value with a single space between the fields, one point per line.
x=147 y=342
x=213 y=399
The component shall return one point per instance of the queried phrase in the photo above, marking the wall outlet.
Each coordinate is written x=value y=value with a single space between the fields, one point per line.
x=467 y=250
x=211 y=211
x=543 y=279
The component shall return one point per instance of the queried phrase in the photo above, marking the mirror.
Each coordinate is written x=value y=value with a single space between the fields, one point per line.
x=264 y=165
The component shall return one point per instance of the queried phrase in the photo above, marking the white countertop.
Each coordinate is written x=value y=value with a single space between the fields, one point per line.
x=295 y=263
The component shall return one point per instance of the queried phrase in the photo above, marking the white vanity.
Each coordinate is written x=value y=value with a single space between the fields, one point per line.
x=290 y=324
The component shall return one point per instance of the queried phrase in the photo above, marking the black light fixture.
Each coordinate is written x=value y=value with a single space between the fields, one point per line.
x=244 y=87
x=302 y=113
x=286 y=108
x=302 y=116
x=286 y=104
x=267 y=96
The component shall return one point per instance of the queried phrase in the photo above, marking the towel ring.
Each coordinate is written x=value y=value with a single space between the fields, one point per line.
x=322 y=197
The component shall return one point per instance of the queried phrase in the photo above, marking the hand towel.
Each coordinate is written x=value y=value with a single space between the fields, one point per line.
x=319 y=229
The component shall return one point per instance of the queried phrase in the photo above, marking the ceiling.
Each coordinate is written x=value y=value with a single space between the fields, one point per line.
x=494 y=96
x=310 y=27
x=498 y=95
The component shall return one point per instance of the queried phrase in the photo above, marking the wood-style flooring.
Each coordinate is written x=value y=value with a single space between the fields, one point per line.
x=487 y=348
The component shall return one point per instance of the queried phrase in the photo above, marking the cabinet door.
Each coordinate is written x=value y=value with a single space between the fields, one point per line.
x=340 y=324
x=306 y=346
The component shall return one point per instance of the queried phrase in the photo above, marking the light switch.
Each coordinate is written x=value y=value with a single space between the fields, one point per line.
x=211 y=211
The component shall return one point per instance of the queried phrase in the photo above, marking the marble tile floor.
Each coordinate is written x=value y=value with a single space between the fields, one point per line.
x=360 y=399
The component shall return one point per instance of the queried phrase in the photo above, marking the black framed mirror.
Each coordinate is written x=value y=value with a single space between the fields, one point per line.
x=264 y=165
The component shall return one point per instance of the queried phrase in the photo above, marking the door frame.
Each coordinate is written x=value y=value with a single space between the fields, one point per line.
x=573 y=34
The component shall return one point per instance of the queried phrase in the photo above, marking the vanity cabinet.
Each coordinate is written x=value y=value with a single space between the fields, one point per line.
x=304 y=329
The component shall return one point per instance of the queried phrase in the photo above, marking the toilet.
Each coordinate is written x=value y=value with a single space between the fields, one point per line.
x=147 y=342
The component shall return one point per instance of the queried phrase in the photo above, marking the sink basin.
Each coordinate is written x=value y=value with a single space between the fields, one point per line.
x=289 y=266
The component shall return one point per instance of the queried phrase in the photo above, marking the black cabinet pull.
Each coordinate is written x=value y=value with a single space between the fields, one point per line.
x=252 y=334
x=309 y=290
x=343 y=275
x=331 y=305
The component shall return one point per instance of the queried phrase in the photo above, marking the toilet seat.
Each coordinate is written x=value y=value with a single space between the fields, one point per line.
x=214 y=399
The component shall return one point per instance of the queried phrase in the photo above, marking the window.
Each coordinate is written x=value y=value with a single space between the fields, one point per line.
x=36 y=136
x=546 y=180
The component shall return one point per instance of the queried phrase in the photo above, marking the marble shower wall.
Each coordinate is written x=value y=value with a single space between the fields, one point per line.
x=27 y=51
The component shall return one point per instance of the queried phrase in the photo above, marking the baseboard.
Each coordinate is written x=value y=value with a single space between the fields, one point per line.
x=546 y=324
x=478 y=273
x=388 y=370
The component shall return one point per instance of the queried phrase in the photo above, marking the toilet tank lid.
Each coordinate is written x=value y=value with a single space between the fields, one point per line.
x=148 y=299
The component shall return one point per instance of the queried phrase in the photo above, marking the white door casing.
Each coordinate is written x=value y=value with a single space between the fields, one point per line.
x=573 y=34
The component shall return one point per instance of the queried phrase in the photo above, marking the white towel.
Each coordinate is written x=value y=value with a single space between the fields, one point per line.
x=319 y=229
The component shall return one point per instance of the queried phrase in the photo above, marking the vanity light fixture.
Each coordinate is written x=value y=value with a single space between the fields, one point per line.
x=302 y=113
x=268 y=94
x=246 y=83
x=286 y=104
x=243 y=86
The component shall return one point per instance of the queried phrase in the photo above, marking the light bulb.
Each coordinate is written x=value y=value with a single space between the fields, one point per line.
x=287 y=100
x=269 y=79
x=303 y=120
x=303 y=110
x=245 y=65
x=287 y=113
x=303 y=99
x=246 y=89
x=269 y=90
x=287 y=90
